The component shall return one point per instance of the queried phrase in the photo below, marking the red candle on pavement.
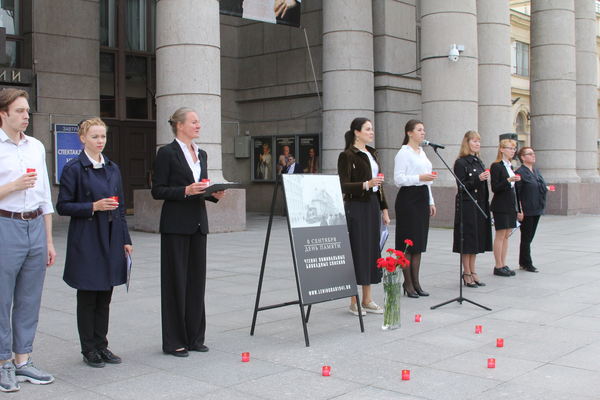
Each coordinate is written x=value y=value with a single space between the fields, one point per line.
x=406 y=374
x=417 y=317
x=115 y=198
x=326 y=370
x=245 y=357
x=29 y=170
x=491 y=363
x=499 y=342
x=552 y=188
x=478 y=328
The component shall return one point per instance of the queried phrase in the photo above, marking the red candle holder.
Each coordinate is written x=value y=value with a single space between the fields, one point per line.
x=491 y=363
x=115 y=198
x=499 y=342
x=417 y=317
x=552 y=188
x=434 y=173
x=326 y=370
x=30 y=170
x=205 y=180
x=487 y=170
x=519 y=175
x=478 y=329
x=380 y=175
x=406 y=374
x=246 y=357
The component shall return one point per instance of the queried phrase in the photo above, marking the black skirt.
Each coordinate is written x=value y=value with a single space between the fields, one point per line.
x=364 y=222
x=412 y=217
x=505 y=220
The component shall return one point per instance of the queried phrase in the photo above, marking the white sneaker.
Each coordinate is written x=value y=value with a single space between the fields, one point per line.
x=372 y=307
x=354 y=310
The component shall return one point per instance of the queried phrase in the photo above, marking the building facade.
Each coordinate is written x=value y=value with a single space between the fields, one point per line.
x=525 y=67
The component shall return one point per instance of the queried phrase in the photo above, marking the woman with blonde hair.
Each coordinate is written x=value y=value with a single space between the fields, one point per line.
x=477 y=229
x=505 y=203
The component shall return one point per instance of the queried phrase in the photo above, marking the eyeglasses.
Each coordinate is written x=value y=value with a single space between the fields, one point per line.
x=528 y=154
x=510 y=148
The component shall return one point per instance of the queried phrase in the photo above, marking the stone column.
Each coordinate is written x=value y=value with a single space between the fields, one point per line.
x=449 y=94
x=587 y=92
x=493 y=39
x=553 y=91
x=347 y=72
x=188 y=59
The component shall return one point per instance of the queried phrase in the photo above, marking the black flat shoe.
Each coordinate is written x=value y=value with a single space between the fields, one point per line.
x=200 y=347
x=412 y=295
x=109 y=357
x=512 y=273
x=178 y=353
x=530 y=268
x=93 y=359
x=468 y=284
x=504 y=271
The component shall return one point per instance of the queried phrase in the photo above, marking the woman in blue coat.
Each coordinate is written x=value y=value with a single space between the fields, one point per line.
x=98 y=242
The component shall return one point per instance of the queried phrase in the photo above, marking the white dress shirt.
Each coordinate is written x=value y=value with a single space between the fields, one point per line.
x=374 y=167
x=14 y=161
x=508 y=167
x=408 y=165
x=194 y=166
x=95 y=164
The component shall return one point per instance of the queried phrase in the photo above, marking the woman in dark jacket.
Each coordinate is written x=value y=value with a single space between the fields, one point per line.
x=532 y=193
x=366 y=208
x=477 y=229
x=98 y=242
x=505 y=203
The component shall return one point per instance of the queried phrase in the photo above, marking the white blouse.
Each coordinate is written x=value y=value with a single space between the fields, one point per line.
x=408 y=165
x=508 y=167
x=374 y=167
x=194 y=166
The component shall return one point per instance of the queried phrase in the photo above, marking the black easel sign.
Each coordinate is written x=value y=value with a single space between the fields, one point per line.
x=320 y=240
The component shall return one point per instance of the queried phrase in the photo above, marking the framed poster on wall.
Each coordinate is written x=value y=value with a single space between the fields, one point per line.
x=285 y=148
x=308 y=153
x=263 y=160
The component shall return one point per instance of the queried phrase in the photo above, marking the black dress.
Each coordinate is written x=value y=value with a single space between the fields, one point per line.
x=412 y=218
x=477 y=230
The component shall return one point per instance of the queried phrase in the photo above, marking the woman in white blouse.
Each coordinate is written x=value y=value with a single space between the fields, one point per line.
x=414 y=203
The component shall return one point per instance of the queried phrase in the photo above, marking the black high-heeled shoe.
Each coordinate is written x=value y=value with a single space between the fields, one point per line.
x=468 y=284
x=412 y=295
x=477 y=282
x=421 y=292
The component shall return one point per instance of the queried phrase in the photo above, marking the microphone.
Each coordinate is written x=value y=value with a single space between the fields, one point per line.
x=435 y=146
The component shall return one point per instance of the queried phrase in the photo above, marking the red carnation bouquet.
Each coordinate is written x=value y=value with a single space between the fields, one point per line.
x=395 y=259
x=391 y=284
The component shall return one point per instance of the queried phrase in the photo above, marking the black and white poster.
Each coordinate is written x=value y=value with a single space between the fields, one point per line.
x=286 y=12
x=320 y=237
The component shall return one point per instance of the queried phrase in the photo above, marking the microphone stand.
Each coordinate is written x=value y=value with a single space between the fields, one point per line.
x=461 y=189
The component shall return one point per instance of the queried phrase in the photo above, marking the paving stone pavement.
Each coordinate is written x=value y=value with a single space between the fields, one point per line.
x=550 y=323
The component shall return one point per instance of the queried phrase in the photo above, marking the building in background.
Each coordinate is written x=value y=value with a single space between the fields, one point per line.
x=522 y=67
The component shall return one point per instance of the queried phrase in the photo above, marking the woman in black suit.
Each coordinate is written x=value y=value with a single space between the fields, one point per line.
x=505 y=204
x=179 y=169
x=532 y=193
x=477 y=229
x=366 y=208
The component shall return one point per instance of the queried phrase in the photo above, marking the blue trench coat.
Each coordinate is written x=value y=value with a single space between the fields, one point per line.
x=95 y=255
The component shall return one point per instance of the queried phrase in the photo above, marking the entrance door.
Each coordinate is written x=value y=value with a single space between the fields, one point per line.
x=132 y=145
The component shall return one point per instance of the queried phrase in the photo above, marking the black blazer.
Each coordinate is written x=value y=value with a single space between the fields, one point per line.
x=532 y=191
x=180 y=214
x=354 y=168
x=506 y=198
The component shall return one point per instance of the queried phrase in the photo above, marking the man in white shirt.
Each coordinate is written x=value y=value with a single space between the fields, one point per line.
x=26 y=237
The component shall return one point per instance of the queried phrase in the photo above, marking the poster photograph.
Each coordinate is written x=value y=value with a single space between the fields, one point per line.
x=286 y=12
x=286 y=162
x=308 y=153
x=320 y=237
x=263 y=160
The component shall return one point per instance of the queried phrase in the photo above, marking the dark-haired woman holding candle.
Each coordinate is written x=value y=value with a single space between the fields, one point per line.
x=366 y=208
x=414 y=203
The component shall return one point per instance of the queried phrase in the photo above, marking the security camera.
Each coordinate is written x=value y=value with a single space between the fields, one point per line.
x=453 y=54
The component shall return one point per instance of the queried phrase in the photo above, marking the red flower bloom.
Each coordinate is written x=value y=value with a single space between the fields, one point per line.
x=408 y=242
x=381 y=263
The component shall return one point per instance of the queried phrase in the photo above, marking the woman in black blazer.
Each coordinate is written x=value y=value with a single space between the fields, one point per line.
x=505 y=203
x=366 y=208
x=532 y=193
x=179 y=169
x=477 y=229
x=91 y=193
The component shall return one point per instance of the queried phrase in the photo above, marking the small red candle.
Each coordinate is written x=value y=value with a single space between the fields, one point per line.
x=326 y=370
x=478 y=328
x=499 y=342
x=115 y=198
x=406 y=374
x=434 y=173
x=205 y=180
x=29 y=170
x=417 y=317
x=518 y=175
x=491 y=363
x=552 y=188
x=487 y=170
x=246 y=357
x=380 y=175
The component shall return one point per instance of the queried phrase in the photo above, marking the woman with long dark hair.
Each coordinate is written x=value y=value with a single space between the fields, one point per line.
x=366 y=208
x=477 y=229
x=414 y=203
x=505 y=203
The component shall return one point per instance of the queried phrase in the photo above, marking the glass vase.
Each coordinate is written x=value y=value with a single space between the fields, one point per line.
x=392 y=292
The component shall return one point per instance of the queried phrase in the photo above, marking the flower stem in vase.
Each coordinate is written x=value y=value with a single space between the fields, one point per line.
x=392 y=292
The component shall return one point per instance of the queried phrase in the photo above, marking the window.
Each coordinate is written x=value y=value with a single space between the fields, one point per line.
x=520 y=58
x=10 y=21
x=127 y=62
